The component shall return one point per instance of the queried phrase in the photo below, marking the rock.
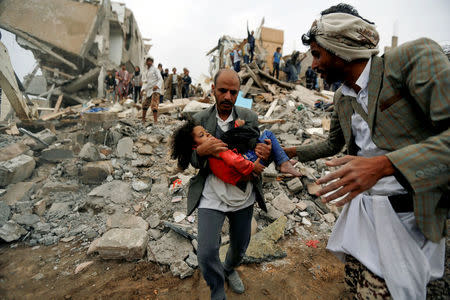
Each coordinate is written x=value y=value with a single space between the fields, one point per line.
x=141 y=162
x=89 y=152
x=145 y=150
x=311 y=209
x=155 y=234
x=254 y=226
x=295 y=185
x=301 y=205
x=182 y=269
x=313 y=188
x=5 y=212
x=56 y=154
x=195 y=245
x=283 y=204
x=125 y=148
x=28 y=220
x=13 y=150
x=46 y=135
x=303 y=214
x=55 y=187
x=306 y=222
x=153 y=220
x=18 y=192
x=169 y=249
x=16 y=169
x=62 y=208
x=262 y=246
x=192 y=260
x=11 y=231
x=83 y=266
x=272 y=213
x=178 y=216
x=269 y=196
x=270 y=173
x=329 y=217
x=126 y=221
x=139 y=186
x=42 y=228
x=121 y=243
x=38 y=276
x=285 y=127
x=96 y=172
x=116 y=191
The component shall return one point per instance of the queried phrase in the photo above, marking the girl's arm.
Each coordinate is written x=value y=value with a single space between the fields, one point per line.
x=237 y=161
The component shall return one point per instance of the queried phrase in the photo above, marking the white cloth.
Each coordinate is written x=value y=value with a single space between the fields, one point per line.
x=174 y=79
x=388 y=244
x=237 y=56
x=222 y=196
x=151 y=77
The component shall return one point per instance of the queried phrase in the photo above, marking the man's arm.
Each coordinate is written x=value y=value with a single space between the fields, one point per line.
x=329 y=147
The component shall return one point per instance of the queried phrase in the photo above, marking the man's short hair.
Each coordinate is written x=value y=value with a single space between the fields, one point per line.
x=220 y=72
x=344 y=8
x=149 y=59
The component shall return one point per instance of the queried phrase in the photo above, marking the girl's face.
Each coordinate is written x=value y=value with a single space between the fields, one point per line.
x=200 y=135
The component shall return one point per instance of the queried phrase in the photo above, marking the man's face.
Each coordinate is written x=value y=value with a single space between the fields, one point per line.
x=226 y=91
x=328 y=65
x=174 y=71
x=149 y=63
x=123 y=67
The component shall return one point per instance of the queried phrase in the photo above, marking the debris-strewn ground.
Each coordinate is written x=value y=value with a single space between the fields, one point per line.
x=93 y=207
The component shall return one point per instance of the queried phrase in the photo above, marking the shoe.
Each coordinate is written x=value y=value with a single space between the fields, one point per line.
x=235 y=283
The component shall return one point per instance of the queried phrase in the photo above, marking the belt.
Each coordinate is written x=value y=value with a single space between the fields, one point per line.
x=402 y=203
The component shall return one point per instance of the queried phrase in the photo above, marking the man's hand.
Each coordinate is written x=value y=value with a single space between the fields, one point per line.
x=258 y=166
x=357 y=174
x=212 y=146
x=263 y=150
x=290 y=151
x=155 y=88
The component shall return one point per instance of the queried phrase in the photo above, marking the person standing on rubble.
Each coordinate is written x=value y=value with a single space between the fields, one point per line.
x=237 y=53
x=152 y=84
x=173 y=85
x=211 y=199
x=246 y=52
x=276 y=62
x=392 y=113
x=310 y=78
x=251 y=42
x=186 y=83
x=123 y=78
x=110 y=86
x=137 y=84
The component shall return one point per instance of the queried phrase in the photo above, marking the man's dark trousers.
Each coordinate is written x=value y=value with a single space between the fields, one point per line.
x=210 y=224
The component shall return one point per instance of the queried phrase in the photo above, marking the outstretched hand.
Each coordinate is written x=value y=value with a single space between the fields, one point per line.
x=357 y=174
x=212 y=146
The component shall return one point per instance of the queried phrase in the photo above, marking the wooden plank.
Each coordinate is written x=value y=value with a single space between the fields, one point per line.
x=255 y=78
x=273 y=121
x=247 y=86
x=58 y=103
x=271 y=109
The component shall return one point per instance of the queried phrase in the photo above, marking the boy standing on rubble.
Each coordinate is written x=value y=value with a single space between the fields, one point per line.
x=152 y=84
x=276 y=62
x=110 y=86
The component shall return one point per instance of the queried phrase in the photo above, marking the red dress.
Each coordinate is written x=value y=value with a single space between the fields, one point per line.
x=231 y=166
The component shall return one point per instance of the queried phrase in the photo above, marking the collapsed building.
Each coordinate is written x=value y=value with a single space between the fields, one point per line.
x=74 y=44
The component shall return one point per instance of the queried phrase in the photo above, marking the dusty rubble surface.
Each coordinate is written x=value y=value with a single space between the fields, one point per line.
x=99 y=209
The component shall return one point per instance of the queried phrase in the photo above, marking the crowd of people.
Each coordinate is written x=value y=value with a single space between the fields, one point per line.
x=149 y=86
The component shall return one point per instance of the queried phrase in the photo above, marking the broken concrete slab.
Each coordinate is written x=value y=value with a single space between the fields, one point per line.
x=140 y=186
x=272 y=213
x=13 y=150
x=125 y=148
x=121 y=243
x=192 y=260
x=263 y=245
x=169 y=249
x=11 y=231
x=16 y=169
x=115 y=191
x=96 y=172
x=145 y=150
x=153 y=220
x=56 y=187
x=5 y=212
x=181 y=269
x=283 y=204
x=45 y=135
x=18 y=192
x=89 y=152
x=28 y=219
x=56 y=154
x=329 y=217
x=126 y=221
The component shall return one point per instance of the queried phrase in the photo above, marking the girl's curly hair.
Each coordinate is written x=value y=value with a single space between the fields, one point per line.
x=182 y=143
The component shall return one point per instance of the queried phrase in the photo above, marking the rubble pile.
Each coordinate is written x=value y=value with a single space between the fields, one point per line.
x=104 y=182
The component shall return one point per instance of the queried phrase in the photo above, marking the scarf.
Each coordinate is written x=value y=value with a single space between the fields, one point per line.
x=346 y=36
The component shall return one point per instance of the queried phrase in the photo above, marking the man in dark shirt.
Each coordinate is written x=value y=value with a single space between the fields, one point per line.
x=251 y=41
x=110 y=86
x=186 y=83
